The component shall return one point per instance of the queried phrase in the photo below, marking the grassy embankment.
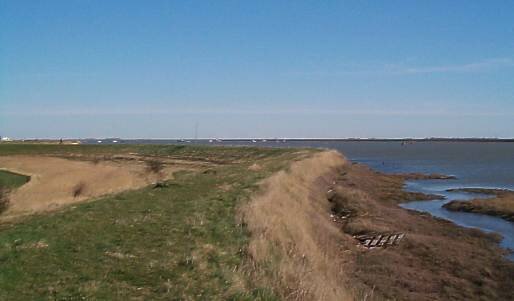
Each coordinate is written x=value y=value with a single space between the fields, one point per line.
x=179 y=241
x=183 y=240
x=501 y=204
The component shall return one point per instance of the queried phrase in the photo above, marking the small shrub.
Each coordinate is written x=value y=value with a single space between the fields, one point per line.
x=154 y=166
x=78 y=189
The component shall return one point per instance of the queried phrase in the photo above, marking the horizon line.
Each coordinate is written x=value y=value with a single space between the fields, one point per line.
x=259 y=139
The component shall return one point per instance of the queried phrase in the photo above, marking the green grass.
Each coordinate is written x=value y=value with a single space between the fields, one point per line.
x=12 y=180
x=179 y=242
x=215 y=154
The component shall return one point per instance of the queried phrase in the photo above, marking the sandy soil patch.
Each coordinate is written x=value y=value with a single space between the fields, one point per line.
x=53 y=181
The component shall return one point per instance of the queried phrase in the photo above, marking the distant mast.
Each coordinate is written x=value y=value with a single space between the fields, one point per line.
x=196 y=130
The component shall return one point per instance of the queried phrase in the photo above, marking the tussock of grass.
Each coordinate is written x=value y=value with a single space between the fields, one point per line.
x=155 y=166
x=78 y=189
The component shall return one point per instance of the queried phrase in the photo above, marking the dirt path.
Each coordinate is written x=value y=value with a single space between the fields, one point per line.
x=53 y=181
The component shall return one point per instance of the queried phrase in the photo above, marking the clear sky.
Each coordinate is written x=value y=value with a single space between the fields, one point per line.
x=256 y=68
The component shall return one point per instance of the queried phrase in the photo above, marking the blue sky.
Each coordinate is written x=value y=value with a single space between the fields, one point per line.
x=256 y=68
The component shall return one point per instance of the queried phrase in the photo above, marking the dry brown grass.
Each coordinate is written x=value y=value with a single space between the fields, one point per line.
x=306 y=256
x=155 y=166
x=436 y=260
x=293 y=239
x=502 y=205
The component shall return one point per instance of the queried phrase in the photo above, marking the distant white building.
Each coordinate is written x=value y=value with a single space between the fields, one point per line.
x=5 y=139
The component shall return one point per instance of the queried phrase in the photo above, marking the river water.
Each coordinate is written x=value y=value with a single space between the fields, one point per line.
x=475 y=164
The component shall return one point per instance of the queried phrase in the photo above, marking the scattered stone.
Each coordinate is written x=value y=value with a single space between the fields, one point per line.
x=210 y=172
x=330 y=194
x=340 y=219
x=160 y=185
x=119 y=255
x=255 y=167
x=40 y=245
x=35 y=245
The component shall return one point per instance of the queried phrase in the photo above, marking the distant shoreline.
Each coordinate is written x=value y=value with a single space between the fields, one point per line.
x=121 y=140
x=319 y=139
x=262 y=142
x=372 y=139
